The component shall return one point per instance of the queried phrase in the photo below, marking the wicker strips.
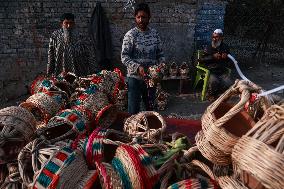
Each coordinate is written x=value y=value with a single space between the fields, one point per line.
x=134 y=166
x=219 y=138
x=140 y=125
x=260 y=151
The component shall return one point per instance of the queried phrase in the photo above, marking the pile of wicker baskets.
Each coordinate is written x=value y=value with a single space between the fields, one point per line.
x=59 y=140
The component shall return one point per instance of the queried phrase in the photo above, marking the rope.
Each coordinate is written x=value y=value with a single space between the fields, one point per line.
x=244 y=78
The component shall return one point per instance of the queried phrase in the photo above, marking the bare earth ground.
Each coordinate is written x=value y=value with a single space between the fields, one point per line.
x=189 y=106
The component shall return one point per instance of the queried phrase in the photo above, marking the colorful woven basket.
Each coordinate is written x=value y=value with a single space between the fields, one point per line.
x=194 y=183
x=258 y=157
x=103 y=114
x=17 y=127
x=45 y=105
x=33 y=156
x=223 y=125
x=134 y=167
x=148 y=125
x=101 y=145
x=65 y=169
x=108 y=177
x=67 y=124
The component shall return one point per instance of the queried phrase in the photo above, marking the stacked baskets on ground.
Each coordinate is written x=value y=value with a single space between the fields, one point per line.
x=258 y=156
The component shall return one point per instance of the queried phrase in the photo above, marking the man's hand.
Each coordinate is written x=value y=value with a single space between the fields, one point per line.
x=217 y=56
x=224 y=55
x=141 y=71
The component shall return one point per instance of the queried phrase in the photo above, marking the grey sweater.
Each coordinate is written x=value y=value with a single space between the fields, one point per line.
x=141 y=48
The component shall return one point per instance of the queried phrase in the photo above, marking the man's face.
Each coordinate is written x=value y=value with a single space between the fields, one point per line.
x=68 y=24
x=216 y=39
x=142 y=20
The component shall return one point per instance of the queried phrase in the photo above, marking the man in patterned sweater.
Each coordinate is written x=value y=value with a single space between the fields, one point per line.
x=141 y=48
x=67 y=52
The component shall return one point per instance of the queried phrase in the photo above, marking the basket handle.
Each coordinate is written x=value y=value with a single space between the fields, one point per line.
x=245 y=88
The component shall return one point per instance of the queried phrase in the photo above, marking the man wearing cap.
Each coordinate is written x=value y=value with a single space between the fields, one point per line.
x=67 y=52
x=216 y=59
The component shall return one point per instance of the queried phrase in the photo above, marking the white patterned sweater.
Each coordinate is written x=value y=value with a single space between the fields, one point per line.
x=141 y=48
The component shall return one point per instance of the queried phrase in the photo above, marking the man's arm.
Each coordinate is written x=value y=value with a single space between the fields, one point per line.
x=51 y=57
x=127 y=48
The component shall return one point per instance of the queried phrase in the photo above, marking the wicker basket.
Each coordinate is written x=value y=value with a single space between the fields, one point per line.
x=173 y=70
x=148 y=125
x=103 y=114
x=13 y=180
x=222 y=124
x=108 y=177
x=45 y=105
x=33 y=156
x=258 y=157
x=67 y=124
x=65 y=169
x=101 y=145
x=36 y=85
x=17 y=128
x=184 y=70
x=134 y=167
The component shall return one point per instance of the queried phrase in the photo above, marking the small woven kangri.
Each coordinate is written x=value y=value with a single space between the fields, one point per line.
x=134 y=167
x=67 y=124
x=66 y=168
x=223 y=125
x=103 y=113
x=101 y=145
x=149 y=125
x=17 y=127
x=44 y=105
x=258 y=157
x=32 y=157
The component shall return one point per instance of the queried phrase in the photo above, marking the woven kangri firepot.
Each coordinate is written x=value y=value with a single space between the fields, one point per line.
x=259 y=155
x=134 y=167
x=184 y=70
x=65 y=169
x=218 y=135
x=45 y=105
x=33 y=156
x=101 y=145
x=103 y=114
x=67 y=124
x=17 y=126
x=148 y=125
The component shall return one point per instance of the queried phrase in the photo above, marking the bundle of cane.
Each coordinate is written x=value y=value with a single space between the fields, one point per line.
x=148 y=125
x=102 y=113
x=223 y=125
x=134 y=167
x=13 y=180
x=45 y=105
x=66 y=168
x=258 y=156
x=33 y=156
x=17 y=126
x=67 y=124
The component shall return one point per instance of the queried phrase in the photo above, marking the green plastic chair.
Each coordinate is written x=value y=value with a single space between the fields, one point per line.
x=201 y=74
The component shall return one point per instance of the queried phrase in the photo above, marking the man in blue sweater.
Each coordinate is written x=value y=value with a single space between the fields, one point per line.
x=141 y=48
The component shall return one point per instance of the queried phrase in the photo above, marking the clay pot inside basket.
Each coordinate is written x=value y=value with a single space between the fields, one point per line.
x=250 y=181
x=239 y=125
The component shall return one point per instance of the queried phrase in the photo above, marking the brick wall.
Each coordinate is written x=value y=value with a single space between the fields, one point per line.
x=25 y=27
